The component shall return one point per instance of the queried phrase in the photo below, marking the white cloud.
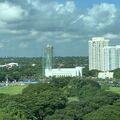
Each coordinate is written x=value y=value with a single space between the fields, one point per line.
x=49 y=21
x=99 y=16
x=34 y=3
x=9 y=12
x=59 y=8
x=69 y=7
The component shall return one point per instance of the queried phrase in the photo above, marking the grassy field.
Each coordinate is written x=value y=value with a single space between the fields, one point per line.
x=12 y=90
x=115 y=89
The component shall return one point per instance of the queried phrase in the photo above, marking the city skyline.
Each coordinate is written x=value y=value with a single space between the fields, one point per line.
x=26 y=26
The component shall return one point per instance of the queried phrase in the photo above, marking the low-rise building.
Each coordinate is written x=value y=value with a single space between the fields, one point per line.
x=64 y=72
x=104 y=75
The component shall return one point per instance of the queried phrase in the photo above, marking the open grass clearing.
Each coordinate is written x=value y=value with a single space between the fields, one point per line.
x=12 y=90
x=115 y=89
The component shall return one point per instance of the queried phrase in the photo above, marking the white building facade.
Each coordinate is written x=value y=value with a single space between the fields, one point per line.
x=64 y=72
x=110 y=58
x=96 y=54
x=102 y=56
x=118 y=55
x=104 y=75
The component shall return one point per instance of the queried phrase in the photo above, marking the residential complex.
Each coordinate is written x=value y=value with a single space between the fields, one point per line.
x=96 y=55
x=110 y=58
x=102 y=56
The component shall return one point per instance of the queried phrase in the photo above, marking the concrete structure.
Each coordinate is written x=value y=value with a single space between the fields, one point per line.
x=48 y=55
x=96 y=57
x=47 y=58
x=49 y=71
x=9 y=65
x=118 y=55
x=64 y=72
x=110 y=58
x=102 y=56
x=104 y=75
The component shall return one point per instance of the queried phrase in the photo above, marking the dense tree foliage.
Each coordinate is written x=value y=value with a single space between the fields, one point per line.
x=90 y=73
x=110 y=112
x=57 y=98
x=70 y=61
x=31 y=68
x=60 y=82
x=61 y=99
x=117 y=73
x=36 y=102
x=90 y=98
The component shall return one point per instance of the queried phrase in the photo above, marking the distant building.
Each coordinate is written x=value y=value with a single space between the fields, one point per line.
x=104 y=75
x=64 y=72
x=118 y=55
x=9 y=65
x=96 y=57
x=49 y=71
x=47 y=58
x=110 y=58
x=48 y=54
x=102 y=56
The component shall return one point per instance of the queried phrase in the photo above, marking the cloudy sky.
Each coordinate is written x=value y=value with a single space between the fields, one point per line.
x=26 y=26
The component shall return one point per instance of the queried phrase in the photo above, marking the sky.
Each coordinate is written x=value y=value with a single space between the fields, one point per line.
x=27 y=26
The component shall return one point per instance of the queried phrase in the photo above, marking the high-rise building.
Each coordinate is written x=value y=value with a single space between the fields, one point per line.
x=47 y=58
x=49 y=71
x=102 y=56
x=118 y=55
x=96 y=53
x=110 y=58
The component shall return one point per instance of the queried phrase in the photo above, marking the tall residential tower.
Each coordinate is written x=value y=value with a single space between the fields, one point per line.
x=96 y=53
x=112 y=57
x=47 y=58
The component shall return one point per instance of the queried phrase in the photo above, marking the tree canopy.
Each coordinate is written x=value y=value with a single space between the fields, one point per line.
x=61 y=99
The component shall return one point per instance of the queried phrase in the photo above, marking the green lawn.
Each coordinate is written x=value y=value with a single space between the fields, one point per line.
x=12 y=90
x=115 y=89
